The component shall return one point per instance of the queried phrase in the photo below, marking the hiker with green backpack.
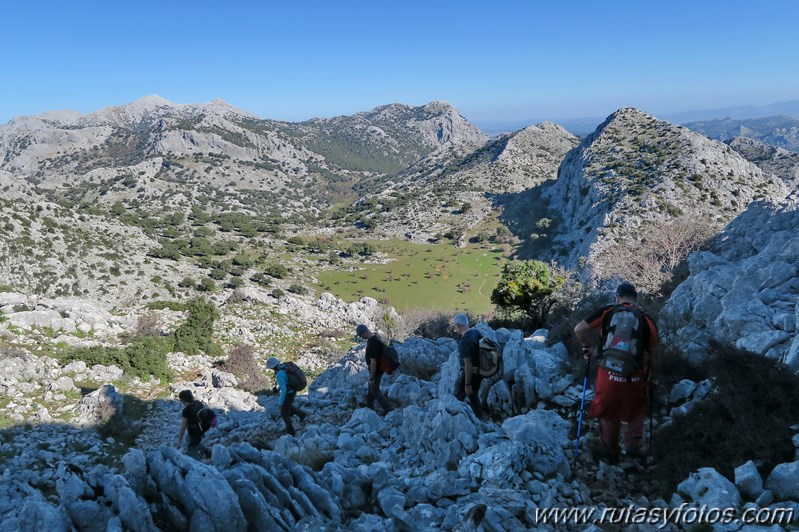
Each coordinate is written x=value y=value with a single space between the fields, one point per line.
x=628 y=353
x=291 y=379
x=381 y=358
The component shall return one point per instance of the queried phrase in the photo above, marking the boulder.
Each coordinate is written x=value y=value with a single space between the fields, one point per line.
x=62 y=384
x=546 y=434
x=748 y=481
x=99 y=406
x=784 y=481
x=707 y=486
x=222 y=379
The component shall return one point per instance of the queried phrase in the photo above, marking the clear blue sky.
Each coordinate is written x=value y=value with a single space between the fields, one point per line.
x=495 y=61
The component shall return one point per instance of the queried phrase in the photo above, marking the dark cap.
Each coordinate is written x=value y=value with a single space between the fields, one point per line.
x=626 y=290
x=361 y=329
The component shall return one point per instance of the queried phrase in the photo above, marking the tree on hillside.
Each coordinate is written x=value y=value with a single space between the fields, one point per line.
x=529 y=286
x=650 y=263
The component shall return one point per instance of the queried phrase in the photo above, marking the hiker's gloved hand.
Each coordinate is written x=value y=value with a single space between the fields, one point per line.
x=587 y=352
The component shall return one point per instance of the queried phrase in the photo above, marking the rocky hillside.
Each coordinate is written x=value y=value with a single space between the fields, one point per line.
x=776 y=161
x=430 y=464
x=777 y=131
x=635 y=172
x=744 y=290
x=427 y=199
x=156 y=151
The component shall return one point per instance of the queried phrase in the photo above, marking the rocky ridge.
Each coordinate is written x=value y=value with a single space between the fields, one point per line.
x=424 y=201
x=142 y=152
x=635 y=171
x=776 y=161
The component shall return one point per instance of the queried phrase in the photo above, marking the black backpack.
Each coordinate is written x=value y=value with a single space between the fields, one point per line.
x=297 y=380
x=624 y=329
x=206 y=417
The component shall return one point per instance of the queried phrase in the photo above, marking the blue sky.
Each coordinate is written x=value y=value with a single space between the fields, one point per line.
x=495 y=61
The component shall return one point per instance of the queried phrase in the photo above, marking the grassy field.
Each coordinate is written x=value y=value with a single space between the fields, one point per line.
x=434 y=276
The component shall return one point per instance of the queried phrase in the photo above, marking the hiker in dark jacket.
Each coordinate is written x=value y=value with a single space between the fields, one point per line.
x=375 y=348
x=469 y=379
x=191 y=423
x=619 y=398
x=287 y=395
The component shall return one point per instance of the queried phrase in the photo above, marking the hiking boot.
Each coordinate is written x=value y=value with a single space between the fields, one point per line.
x=634 y=452
x=600 y=453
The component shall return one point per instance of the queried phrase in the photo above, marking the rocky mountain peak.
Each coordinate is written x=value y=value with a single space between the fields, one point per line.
x=635 y=169
x=152 y=101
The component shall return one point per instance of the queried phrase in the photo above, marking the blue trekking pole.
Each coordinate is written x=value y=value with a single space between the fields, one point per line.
x=582 y=406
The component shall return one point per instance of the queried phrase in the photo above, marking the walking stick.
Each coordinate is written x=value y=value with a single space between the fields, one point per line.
x=582 y=406
x=651 y=416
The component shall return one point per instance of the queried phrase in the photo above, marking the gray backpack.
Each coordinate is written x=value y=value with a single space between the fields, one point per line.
x=622 y=347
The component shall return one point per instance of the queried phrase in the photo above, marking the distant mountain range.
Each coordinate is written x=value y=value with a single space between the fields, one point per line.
x=584 y=125
x=155 y=180
x=776 y=131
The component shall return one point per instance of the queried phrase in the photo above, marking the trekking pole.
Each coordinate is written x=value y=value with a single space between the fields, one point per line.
x=582 y=406
x=651 y=417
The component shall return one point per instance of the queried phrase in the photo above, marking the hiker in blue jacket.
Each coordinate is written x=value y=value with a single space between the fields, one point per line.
x=287 y=395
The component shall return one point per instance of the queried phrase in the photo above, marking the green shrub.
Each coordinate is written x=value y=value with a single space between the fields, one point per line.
x=177 y=306
x=243 y=261
x=147 y=356
x=261 y=279
x=277 y=293
x=298 y=289
x=361 y=248
x=206 y=285
x=278 y=271
x=195 y=334
x=143 y=357
x=528 y=286
x=187 y=282
x=217 y=274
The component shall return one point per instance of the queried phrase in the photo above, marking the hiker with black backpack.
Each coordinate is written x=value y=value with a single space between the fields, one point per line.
x=197 y=419
x=470 y=378
x=291 y=379
x=379 y=360
x=628 y=355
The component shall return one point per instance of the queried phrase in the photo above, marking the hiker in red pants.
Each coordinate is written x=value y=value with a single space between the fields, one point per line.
x=628 y=359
